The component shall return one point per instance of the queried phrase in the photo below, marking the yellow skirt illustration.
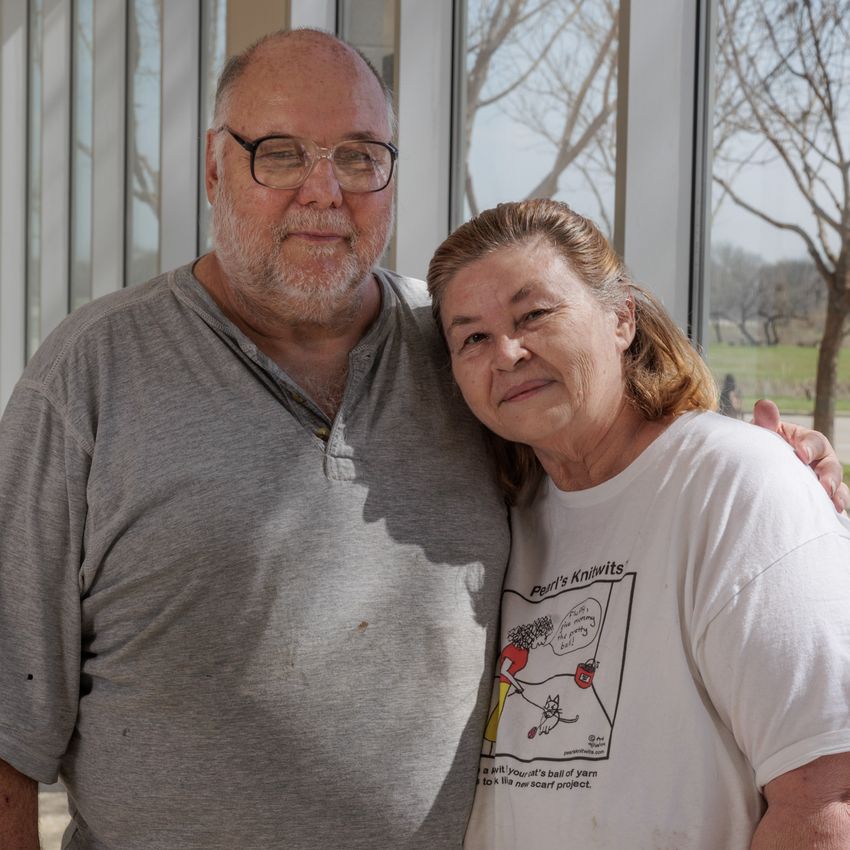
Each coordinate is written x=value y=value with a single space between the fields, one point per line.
x=493 y=723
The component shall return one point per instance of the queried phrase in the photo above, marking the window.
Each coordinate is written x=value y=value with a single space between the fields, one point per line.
x=539 y=104
x=371 y=28
x=144 y=110
x=780 y=237
x=370 y=25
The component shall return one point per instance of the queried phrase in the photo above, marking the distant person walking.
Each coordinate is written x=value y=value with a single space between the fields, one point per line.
x=730 y=397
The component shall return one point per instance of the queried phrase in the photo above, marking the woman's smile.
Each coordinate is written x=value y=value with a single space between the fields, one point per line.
x=525 y=390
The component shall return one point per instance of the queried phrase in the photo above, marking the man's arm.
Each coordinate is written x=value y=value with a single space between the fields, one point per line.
x=18 y=810
x=811 y=447
x=808 y=808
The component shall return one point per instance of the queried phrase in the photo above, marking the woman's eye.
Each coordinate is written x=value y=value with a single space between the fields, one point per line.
x=473 y=339
x=531 y=315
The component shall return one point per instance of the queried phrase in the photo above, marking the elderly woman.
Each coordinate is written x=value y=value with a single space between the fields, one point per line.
x=693 y=690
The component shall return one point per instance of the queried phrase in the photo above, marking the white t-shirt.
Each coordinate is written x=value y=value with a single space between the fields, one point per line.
x=680 y=635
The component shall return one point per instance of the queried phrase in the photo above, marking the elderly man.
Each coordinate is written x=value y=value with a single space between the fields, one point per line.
x=251 y=552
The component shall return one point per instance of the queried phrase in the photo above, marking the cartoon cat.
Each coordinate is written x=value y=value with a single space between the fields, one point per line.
x=551 y=715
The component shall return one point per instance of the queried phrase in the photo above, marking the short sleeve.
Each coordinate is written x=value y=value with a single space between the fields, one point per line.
x=776 y=659
x=43 y=475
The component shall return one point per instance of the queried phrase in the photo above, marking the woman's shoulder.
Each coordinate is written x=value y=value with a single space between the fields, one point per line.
x=730 y=462
x=710 y=438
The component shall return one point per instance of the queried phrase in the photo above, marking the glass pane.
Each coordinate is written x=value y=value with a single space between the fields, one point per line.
x=81 y=152
x=371 y=26
x=779 y=289
x=540 y=104
x=213 y=57
x=36 y=45
x=144 y=110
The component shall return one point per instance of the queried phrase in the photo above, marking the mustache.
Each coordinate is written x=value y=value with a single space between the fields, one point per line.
x=333 y=221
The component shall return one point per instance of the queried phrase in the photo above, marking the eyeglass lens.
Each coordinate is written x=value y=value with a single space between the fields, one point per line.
x=359 y=166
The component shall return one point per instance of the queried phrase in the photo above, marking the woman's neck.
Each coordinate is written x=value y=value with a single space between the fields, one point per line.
x=580 y=464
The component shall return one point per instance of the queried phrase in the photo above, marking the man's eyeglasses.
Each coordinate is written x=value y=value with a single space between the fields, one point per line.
x=285 y=162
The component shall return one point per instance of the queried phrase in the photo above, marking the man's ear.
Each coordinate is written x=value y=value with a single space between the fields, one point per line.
x=211 y=174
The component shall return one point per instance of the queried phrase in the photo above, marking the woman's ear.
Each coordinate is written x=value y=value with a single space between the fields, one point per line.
x=625 y=331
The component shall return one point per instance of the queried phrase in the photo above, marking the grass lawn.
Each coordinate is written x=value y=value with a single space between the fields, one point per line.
x=784 y=373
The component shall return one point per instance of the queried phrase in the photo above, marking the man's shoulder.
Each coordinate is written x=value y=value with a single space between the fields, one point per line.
x=412 y=307
x=410 y=290
x=106 y=326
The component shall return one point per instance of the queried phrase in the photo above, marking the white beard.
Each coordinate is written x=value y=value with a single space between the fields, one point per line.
x=271 y=289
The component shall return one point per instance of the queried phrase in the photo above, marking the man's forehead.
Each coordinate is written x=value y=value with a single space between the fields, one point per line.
x=327 y=89
x=293 y=60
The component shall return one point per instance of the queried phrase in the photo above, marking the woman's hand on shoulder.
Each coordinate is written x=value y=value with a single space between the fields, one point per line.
x=811 y=447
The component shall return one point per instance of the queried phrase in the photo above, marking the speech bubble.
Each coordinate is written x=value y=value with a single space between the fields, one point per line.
x=579 y=627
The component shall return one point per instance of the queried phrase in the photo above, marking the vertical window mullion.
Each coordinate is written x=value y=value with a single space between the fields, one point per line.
x=82 y=151
x=181 y=34
x=659 y=157
x=144 y=135
x=13 y=192
x=213 y=56
x=320 y=14
x=701 y=217
x=424 y=89
x=51 y=190
x=108 y=143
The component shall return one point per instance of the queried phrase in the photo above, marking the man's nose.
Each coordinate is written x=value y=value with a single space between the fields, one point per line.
x=321 y=187
x=510 y=352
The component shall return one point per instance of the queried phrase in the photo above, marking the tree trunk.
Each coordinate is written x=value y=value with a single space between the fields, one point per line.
x=742 y=326
x=830 y=346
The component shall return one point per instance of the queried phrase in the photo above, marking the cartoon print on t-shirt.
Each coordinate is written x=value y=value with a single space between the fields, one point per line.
x=550 y=718
x=558 y=675
x=521 y=640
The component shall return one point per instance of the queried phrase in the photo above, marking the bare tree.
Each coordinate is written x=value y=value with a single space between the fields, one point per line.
x=788 y=291
x=735 y=293
x=783 y=74
x=550 y=65
x=761 y=299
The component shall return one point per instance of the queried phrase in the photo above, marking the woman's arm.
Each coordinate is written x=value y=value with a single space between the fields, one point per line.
x=808 y=808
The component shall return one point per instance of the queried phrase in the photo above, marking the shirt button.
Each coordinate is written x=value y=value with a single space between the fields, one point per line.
x=323 y=433
x=298 y=399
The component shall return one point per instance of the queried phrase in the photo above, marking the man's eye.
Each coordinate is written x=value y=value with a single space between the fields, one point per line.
x=281 y=155
x=352 y=156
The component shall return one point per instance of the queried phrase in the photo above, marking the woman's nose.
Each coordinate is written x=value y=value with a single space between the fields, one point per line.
x=510 y=351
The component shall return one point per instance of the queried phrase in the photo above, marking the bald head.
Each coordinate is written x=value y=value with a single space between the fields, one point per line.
x=296 y=46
